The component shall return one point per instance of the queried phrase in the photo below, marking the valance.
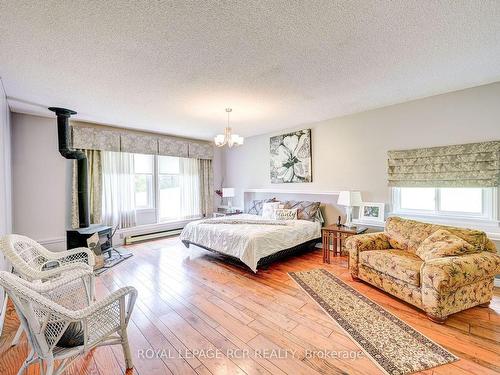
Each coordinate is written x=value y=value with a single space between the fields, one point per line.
x=121 y=140
x=171 y=146
x=135 y=143
x=467 y=165
x=200 y=150
x=88 y=138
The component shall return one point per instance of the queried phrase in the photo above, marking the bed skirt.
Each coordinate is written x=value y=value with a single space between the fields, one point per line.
x=266 y=261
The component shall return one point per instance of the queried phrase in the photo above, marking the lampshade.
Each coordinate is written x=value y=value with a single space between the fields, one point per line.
x=228 y=192
x=349 y=198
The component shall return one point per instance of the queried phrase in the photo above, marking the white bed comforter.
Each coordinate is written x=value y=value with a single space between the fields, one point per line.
x=249 y=242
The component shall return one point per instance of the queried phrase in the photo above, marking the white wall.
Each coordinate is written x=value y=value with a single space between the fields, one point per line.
x=5 y=166
x=5 y=184
x=42 y=181
x=351 y=152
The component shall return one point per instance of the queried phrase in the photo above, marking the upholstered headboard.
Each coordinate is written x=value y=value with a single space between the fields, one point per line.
x=330 y=211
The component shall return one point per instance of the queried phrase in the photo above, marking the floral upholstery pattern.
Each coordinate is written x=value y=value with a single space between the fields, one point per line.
x=370 y=241
x=446 y=284
x=409 y=234
x=399 y=264
x=445 y=274
x=409 y=293
x=443 y=304
x=441 y=244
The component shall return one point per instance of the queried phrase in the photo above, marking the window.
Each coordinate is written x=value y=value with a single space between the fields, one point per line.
x=447 y=202
x=166 y=188
x=170 y=192
x=144 y=181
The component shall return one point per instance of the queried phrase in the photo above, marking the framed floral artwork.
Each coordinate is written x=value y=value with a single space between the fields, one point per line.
x=291 y=157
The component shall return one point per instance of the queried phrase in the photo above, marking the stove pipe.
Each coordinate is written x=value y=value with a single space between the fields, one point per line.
x=64 y=134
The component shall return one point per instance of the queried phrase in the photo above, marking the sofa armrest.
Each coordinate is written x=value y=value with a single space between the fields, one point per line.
x=364 y=242
x=369 y=241
x=449 y=273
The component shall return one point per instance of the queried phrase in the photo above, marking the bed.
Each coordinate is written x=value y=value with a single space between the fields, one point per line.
x=251 y=239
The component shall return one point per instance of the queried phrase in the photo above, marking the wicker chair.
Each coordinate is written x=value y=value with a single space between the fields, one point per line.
x=46 y=310
x=32 y=262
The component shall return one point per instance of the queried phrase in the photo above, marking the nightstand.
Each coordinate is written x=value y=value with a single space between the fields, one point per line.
x=221 y=212
x=336 y=235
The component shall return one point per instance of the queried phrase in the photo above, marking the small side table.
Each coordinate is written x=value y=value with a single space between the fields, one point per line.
x=335 y=235
x=227 y=213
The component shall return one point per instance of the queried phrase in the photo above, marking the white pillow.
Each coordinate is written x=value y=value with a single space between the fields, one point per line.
x=268 y=210
x=285 y=214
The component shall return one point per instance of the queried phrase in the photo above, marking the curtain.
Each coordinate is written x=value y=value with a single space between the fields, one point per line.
x=189 y=184
x=467 y=165
x=118 y=192
x=94 y=161
x=206 y=177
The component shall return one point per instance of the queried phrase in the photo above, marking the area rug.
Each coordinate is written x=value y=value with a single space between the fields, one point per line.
x=114 y=257
x=392 y=344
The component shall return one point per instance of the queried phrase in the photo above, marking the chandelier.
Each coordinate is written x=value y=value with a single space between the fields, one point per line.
x=228 y=138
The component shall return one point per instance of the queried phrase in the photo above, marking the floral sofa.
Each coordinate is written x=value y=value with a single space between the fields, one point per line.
x=440 y=269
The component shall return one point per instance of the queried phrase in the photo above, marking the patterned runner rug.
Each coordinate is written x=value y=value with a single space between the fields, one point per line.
x=391 y=343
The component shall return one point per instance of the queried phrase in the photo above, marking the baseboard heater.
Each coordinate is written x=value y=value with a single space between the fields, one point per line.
x=151 y=236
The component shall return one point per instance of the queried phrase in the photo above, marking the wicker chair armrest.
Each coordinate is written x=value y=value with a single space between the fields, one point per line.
x=77 y=255
x=99 y=306
x=59 y=282
x=58 y=271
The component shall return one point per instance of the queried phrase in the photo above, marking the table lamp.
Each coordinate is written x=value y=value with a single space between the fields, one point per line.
x=349 y=199
x=228 y=193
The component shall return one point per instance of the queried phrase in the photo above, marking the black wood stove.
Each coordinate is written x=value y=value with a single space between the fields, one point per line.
x=78 y=237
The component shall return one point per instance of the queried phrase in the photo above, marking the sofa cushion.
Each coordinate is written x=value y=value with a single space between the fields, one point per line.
x=441 y=244
x=407 y=234
x=399 y=264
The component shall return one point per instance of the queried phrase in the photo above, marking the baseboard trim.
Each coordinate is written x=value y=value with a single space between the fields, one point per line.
x=52 y=241
x=497 y=282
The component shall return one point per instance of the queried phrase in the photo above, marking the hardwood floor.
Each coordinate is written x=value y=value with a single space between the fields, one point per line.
x=197 y=314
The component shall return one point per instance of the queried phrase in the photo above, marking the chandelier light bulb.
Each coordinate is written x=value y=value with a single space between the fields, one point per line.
x=228 y=138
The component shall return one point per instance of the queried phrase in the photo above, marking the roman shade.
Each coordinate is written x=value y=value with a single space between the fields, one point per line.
x=122 y=140
x=467 y=165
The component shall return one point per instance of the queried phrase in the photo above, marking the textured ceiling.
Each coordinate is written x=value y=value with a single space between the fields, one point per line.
x=173 y=66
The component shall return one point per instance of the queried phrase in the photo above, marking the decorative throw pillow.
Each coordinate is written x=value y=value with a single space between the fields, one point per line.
x=285 y=214
x=305 y=210
x=256 y=206
x=441 y=244
x=268 y=210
